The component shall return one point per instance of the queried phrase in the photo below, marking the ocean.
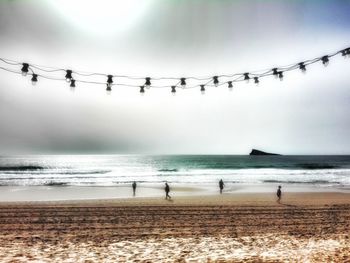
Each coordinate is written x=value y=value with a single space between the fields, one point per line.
x=110 y=170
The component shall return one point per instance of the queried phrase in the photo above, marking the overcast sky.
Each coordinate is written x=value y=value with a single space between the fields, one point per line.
x=304 y=114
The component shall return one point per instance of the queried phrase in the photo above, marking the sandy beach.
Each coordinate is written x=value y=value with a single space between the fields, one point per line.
x=174 y=131
x=245 y=227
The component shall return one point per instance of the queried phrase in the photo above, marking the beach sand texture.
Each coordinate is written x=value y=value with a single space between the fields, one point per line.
x=306 y=227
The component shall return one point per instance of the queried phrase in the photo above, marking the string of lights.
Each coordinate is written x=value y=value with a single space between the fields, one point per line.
x=72 y=77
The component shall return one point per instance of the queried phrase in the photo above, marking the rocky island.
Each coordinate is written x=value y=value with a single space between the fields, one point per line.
x=258 y=152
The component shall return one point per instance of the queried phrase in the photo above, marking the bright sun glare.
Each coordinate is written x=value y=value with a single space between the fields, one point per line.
x=102 y=16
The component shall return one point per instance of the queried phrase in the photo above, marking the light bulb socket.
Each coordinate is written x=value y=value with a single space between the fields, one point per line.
x=202 y=89
x=142 y=89
x=275 y=72
x=325 y=60
x=280 y=75
x=148 y=82
x=109 y=87
x=110 y=80
x=246 y=77
x=183 y=82
x=345 y=52
x=173 y=89
x=216 y=81
x=72 y=83
x=302 y=67
x=34 y=78
x=25 y=69
x=68 y=75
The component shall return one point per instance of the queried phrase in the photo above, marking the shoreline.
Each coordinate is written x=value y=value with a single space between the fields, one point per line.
x=226 y=199
x=81 y=193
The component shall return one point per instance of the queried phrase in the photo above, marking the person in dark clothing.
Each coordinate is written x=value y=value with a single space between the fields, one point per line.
x=134 y=188
x=221 y=185
x=279 y=194
x=167 y=190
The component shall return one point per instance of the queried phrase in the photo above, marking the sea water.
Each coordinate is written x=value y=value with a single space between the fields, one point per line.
x=110 y=170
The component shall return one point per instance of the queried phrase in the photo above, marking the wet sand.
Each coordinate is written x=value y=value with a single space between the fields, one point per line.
x=148 y=190
x=305 y=227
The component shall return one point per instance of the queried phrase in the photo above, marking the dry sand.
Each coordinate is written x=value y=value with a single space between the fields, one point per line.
x=306 y=227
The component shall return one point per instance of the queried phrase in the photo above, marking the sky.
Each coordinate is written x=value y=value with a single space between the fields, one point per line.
x=303 y=114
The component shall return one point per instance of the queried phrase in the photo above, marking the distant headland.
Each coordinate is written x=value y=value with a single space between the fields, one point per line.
x=258 y=152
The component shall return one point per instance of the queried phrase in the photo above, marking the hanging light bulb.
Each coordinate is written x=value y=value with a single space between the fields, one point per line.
x=229 y=84
x=142 y=89
x=202 y=89
x=72 y=83
x=183 y=83
x=302 y=67
x=34 y=79
x=68 y=75
x=345 y=52
x=216 y=81
x=256 y=80
x=325 y=60
x=109 y=81
x=109 y=88
x=173 y=90
x=275 y=72
x=246 y=77
x=148 y=82
x=25 y=69
x=280 y=75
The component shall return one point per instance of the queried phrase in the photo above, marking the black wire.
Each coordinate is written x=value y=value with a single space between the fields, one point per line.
x=46 y=70
x=7 y=61
x=10 y=70
x=238 y=77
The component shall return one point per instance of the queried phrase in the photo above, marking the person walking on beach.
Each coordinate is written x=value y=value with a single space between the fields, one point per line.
x=167 y=190
x=279 y=194
x=134 y=188
x=221 y=185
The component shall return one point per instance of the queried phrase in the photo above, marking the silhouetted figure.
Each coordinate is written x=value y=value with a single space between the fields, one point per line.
x=279 y=193
x=221 y=185
x=167 y=190
x=134 y=188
